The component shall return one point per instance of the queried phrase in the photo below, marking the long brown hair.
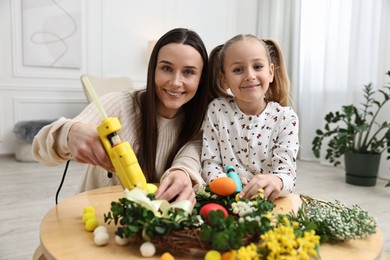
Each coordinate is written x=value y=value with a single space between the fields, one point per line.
x=279 y=89
x=194 y=110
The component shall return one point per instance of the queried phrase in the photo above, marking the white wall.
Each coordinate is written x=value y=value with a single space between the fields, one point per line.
x=114 y=42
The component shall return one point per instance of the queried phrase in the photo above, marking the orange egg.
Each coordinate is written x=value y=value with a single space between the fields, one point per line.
x=223 y=186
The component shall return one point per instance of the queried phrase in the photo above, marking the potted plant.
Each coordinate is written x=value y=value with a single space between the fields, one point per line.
x=356 y=134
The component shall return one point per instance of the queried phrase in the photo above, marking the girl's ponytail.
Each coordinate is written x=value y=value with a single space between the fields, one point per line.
x=279 y=89
x=215 y=85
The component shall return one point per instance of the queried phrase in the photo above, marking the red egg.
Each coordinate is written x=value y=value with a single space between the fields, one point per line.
x=223 y=186
x=205 y=209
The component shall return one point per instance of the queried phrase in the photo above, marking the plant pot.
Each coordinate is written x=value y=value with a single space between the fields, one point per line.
x=361 y=169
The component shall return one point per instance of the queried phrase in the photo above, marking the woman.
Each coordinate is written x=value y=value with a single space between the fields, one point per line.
x=161 y=123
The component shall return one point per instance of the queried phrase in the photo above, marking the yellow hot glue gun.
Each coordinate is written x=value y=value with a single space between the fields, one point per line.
x=121 y=154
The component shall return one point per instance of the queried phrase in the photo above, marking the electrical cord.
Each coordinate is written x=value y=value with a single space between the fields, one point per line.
x=62 y=181
x=109 y=175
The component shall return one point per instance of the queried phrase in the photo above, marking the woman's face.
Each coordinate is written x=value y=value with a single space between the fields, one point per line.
x=178 y=72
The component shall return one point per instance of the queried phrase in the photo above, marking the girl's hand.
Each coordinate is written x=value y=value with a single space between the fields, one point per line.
x=85 y=146
x=177 y=186
x=271 y=184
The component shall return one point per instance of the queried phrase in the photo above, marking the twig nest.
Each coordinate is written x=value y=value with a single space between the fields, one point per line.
x=147 y=249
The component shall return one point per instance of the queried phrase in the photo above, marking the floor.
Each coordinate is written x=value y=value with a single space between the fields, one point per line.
x=27 y=192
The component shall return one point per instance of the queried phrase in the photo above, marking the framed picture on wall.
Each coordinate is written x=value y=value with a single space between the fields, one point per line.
x=48 y=38
x=51 y=34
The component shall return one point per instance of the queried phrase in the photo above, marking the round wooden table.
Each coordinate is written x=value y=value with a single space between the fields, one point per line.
x=63 y=236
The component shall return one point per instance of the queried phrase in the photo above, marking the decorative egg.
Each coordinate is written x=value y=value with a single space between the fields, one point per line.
x=223 y=186
x=100 y=229
x=147 y=249
x=121 y=241
x=205 y=209
x=91 y=224
x=101 y=238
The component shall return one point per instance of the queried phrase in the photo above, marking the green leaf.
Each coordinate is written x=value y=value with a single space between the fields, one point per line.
x=160 y=230
x=220 y=241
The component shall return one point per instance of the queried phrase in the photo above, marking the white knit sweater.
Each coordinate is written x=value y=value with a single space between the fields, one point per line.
x=50 y=145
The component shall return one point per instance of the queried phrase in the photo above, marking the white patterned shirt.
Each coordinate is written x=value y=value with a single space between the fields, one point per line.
x=263 y=144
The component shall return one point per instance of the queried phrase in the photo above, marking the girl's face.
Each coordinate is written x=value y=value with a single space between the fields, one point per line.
x=178 y=72
x=248 y=73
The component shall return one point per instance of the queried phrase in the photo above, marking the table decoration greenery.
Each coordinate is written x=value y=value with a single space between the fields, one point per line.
x=251 y=231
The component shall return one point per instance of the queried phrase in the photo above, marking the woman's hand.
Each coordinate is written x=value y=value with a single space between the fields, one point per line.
x=176 y=186
x=85 y=146
x=271 y=184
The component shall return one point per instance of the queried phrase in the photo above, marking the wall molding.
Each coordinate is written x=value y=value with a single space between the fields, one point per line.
x=139 y=82
x=19 y=101
x=39 y=88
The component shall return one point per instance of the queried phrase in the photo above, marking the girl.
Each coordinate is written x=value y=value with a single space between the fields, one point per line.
x=252 y=130
x=159 y=122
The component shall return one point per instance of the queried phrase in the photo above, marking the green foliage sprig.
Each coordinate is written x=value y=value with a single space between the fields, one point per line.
x=133 y=219
x=232 y=233
x=334 y=222
x=223 y=234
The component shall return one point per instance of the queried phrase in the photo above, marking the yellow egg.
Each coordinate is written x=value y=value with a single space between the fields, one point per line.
x=212 y=255
x=91 y=224
x=223 y=186
x=89 y=209
x=167 y=256
x=87 y=216
x=151 y=188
